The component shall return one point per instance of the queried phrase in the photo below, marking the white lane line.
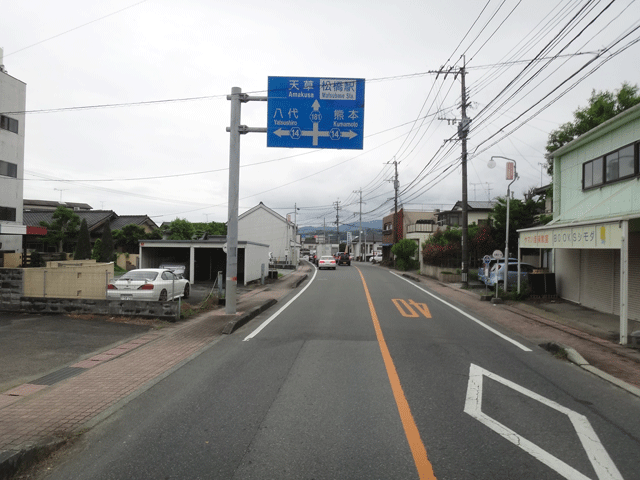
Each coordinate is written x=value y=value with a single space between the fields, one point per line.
x=272 y=317
x=470 y=317
x=600 y=460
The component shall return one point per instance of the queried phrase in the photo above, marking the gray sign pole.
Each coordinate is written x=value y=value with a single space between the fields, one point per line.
x=235 y=130
x=232 y=222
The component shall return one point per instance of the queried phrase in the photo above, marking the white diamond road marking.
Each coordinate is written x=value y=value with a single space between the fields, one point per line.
x=598 y=456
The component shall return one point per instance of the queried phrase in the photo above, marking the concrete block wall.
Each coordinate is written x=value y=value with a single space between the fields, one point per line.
x=13 y=299
x=11 y=285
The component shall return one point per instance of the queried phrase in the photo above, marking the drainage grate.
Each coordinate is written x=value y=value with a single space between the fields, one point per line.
x=58 y=376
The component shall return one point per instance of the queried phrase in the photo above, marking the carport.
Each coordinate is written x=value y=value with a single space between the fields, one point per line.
x=205 y=258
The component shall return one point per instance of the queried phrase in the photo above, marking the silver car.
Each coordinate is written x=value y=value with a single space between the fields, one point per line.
x=154 y=284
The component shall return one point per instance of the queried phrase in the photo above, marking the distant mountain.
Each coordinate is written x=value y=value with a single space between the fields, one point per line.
x=351 y=227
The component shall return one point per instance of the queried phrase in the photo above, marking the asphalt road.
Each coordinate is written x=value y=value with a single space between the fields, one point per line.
x=367 y=375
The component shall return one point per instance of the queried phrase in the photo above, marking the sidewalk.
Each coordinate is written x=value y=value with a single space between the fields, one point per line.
x=36 y=419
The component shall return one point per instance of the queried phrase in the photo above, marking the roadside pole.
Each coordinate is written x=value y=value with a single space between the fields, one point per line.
x=235 y=129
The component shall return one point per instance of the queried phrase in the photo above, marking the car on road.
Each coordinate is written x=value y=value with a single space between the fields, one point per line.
x=344 y=258
x=151 y=284
x=326 y=261
x=497 y=271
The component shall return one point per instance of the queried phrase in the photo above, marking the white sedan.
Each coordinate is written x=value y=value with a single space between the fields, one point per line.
x=326 y=261
x=155 y=284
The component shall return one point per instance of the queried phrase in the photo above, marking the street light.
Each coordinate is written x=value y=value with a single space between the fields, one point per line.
x=513 y=176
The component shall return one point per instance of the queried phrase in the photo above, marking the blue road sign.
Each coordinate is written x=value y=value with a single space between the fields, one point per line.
x=315 y=112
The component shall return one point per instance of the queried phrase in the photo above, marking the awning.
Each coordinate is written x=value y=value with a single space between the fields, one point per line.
x=595 y=235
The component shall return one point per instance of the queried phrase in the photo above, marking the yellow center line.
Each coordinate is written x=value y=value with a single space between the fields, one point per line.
x=419 y=452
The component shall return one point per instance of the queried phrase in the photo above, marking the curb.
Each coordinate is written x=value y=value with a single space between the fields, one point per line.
x=574 y=357
x=11 y=461
x=233 y=325
x=297 y=283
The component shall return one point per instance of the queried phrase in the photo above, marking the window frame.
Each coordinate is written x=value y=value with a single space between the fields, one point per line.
x=10 y=168
x=603 y=168
x=8 y=214
x=9 y=124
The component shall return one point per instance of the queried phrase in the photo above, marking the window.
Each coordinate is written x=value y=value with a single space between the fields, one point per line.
x=8 y=213
x=8 y=169
x=611 y=168
x=8 y=123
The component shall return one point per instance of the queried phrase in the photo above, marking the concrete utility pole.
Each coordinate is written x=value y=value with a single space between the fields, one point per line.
x=463 y=130
x=360 y=234
x=396 y=184
x=337 y=204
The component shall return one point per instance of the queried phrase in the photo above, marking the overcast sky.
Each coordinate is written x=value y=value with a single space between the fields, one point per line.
x=155 y=75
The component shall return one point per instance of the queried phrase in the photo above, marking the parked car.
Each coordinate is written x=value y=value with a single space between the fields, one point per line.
x=326 y=261
x=156 y=284
x=497 y=271
x=491 y=264
x=344 y=258
x=376 y=258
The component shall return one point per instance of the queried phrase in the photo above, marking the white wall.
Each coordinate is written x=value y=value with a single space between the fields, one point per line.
x=261 y=226
x=12 y=99
x=254 y=257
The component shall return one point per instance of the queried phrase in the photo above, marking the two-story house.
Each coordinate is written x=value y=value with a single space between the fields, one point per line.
x=595 y=233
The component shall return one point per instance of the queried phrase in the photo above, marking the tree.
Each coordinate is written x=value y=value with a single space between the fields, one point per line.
x=128 y=238
x=63 y=228
x=180 y=229
x=404 y=251
x=96 y=253
x=83 y=247
x=211 y=228
x=602 y=106
x=107 y=250
x=522 y=215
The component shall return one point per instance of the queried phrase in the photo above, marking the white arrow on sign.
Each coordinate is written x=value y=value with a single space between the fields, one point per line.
x=598 y=456
x=316 y=133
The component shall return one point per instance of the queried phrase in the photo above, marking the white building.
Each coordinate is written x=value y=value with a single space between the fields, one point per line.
x=13 y=94
x=263 y=225
x=595 y=232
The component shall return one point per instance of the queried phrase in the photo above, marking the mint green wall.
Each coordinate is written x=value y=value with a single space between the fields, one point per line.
x=570 y=203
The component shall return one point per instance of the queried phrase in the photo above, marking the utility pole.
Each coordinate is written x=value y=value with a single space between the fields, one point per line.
x=337 y=204
x=463 y=129
x=396 y=185
x=360 y=235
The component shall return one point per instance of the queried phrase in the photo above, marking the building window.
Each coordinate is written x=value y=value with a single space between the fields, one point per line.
x=611 y=168
x=8 y=169
x=8 y=214
x=8 y=123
